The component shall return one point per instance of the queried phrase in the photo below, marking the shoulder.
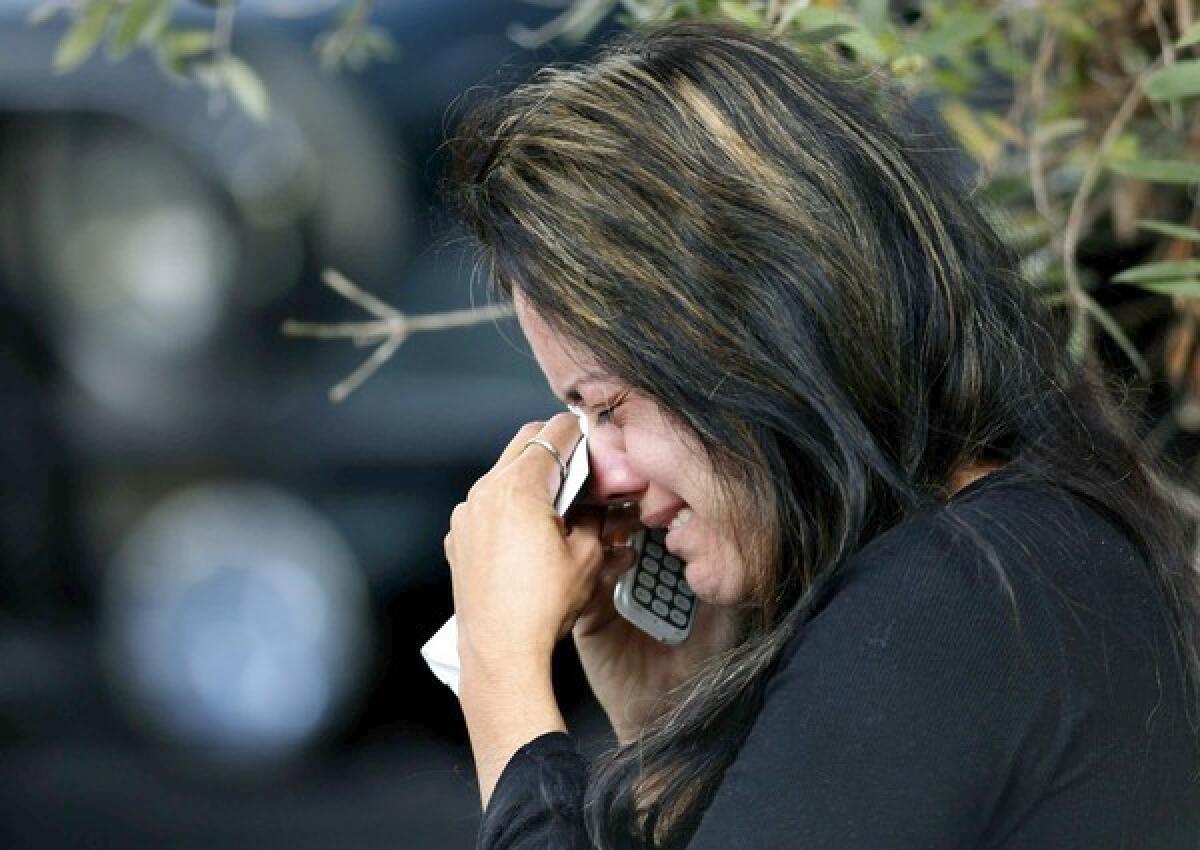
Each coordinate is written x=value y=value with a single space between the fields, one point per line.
x=1007 y=543
x=1017 y=605
x=1014 y=620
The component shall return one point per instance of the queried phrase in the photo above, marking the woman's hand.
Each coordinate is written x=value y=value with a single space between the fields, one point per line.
x=628 y=670
x=520 y=580
x=520 y=576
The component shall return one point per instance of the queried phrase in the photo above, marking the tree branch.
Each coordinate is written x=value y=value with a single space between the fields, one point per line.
x=1084 y=304
x=390 y=326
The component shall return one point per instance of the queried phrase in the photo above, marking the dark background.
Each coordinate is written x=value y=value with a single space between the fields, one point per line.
x=213 y=581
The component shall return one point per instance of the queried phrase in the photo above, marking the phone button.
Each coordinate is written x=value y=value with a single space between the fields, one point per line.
x=659 y=607
x=679 y=618
x=682 y=602
x=645 y=580
x=663 y=593
x=669 y=579
x=642 y=595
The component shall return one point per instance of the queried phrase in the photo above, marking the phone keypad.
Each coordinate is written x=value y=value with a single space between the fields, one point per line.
x=661 y=587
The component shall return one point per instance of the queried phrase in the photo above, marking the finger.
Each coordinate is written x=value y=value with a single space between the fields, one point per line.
x=448 y=540
x=583 y=541
x=562 y=432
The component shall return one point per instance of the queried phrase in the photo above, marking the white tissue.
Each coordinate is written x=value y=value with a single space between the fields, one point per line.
x=441 y=651
x=441 y=654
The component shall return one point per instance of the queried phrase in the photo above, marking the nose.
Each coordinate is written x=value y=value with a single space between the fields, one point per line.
x=613 y=478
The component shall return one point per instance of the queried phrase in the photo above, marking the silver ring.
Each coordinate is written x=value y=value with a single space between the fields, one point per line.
x=562 y=467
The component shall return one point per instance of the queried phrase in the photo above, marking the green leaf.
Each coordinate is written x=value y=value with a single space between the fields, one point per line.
x=183 y=43
x=143 y=20
x=246 y=87
x=1191 y=36
x=816 y=18
x=1148 y=272
x=1077 y=343
x=955 y=32
x=179 y=50
x=1167 y=228
x=969 y=130
x=1185 y=287
x=1055 y=130
x=1133 y=57
x=380 y=44
x=1158 y=170
x=873 y=14
x=81 y=39
x=1125 y=149
x=1179 y=80
x=741 y=13
x=824 y=34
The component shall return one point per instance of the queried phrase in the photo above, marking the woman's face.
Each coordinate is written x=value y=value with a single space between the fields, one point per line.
x=638 y=455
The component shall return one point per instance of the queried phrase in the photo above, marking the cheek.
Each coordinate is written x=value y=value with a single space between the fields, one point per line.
x=662 y=457
x=718 y=574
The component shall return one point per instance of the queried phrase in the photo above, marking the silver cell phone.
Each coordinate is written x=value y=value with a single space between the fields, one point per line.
x=653 y=594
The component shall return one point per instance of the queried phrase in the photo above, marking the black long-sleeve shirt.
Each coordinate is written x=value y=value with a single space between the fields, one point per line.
x=912 y=712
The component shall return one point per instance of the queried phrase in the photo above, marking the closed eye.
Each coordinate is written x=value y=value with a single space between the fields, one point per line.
x=603 y=413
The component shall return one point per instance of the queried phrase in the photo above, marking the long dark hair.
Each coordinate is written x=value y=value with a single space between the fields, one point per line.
x=746 y=236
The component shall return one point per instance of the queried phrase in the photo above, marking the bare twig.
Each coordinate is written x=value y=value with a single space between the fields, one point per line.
x=1166 y=41
x=390 y=327
x=1084 y=304
x=218 y=97
x=1166 y=44
x=338 y=282
x=334 y=46
x=1037 y=97
x=580 y=15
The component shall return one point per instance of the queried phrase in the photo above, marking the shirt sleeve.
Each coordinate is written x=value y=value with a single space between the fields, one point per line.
x=538 y=799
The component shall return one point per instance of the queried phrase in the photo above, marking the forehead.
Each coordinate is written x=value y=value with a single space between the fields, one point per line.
x=565 y=364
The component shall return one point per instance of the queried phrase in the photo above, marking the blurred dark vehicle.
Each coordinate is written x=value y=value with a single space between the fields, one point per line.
x=213 y=581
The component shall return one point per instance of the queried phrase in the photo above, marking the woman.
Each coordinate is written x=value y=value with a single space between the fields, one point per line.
x=942 y=603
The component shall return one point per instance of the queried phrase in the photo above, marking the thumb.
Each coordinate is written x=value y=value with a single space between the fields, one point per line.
x=617 y=559
x=583 y=540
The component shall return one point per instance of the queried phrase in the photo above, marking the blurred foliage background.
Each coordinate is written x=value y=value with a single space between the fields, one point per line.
x=1080 y=117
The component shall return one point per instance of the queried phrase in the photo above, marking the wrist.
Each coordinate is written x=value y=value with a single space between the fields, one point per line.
x=504 y=712
x=508 y=679
x=494 y=667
